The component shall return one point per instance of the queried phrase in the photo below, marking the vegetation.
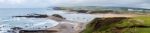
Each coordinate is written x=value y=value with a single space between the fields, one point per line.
x=146 y=22
x=139 y=24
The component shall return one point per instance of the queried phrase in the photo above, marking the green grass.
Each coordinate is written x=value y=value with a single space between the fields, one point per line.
x=141 y=20
x=142 y=30
x=145 y=19
x=146 y=22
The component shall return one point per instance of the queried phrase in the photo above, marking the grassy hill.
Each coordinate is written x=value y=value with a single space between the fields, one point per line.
x=139 y=24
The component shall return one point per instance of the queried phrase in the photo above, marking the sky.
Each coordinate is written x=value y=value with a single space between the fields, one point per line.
x=47 y=3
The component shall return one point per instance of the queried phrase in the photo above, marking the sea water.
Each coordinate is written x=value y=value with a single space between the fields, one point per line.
x=7 y=21
x=7 y=12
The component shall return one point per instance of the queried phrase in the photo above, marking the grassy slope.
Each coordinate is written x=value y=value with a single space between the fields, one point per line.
x=145 y=20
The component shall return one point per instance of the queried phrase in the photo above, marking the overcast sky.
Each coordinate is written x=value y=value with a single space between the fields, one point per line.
x=46 y=3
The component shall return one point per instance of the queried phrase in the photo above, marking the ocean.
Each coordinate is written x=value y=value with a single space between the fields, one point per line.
x=8 y=12
x=7 y=21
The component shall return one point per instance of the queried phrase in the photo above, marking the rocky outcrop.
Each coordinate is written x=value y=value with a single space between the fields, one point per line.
x=58 y=16
x=34 y=16
x=101 y=11
x=37 y=31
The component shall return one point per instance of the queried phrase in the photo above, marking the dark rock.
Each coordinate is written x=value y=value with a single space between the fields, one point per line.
x=16 y=28
x=58 y=16
x=34 y=16
x=38 y=31
x=58 y=8
x=82 y=11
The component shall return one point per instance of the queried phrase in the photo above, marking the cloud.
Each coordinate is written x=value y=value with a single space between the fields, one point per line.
x=16 y=1
x=144 y=5
x=120 y=3
x=12 y=1
x=1 y=1
x=46 y=3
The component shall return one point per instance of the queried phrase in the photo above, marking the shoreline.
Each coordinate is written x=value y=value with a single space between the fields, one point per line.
x=76 y=27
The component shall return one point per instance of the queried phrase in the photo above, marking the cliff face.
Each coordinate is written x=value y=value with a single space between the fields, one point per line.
x=102 y=24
